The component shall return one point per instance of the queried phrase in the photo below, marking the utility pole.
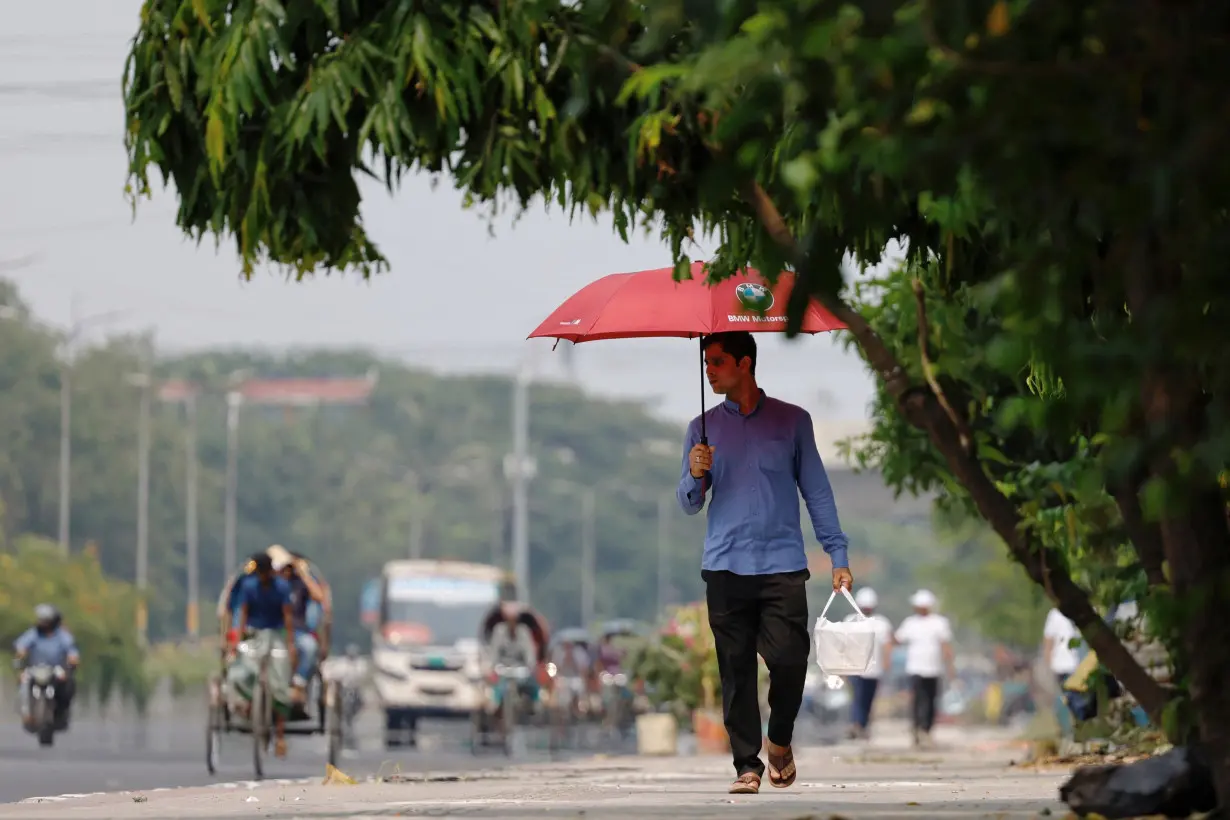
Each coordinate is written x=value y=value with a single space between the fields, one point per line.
x=191 y=525
x=144 y=380
x=499 y=555
x=68 y=355
x=233 y=401
x=664 y=567
x=519 y=468
x=66 y=427
x=588 y=554
x=416 y=515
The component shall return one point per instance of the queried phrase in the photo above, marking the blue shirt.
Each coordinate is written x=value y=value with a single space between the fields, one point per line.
x=761 y=463
x=54 y=649
x=265 y=603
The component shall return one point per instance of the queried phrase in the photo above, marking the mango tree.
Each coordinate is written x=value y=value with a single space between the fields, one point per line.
x=1059 y=159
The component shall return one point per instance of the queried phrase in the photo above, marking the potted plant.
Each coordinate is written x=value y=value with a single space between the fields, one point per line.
x=680 y=672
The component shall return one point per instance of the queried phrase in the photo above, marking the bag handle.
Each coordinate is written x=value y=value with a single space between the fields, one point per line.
x=848 y=597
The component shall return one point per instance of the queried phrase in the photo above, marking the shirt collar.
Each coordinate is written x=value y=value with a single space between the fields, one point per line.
x=733 y=406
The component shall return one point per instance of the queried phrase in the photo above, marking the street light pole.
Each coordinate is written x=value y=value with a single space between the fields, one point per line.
x=520 y=480
x=664 y=568
x=66 y=443
x=67 y=360
x=143 y=447
x=588 y=554
x=416 y=515
x=233 y=400
x=191 y=526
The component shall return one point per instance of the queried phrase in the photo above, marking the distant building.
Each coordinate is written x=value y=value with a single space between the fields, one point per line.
x=863 y=495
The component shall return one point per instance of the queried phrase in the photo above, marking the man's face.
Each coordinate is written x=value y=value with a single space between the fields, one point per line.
x=722 y=371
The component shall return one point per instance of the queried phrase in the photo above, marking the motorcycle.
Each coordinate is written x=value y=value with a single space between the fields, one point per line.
x=39 y=684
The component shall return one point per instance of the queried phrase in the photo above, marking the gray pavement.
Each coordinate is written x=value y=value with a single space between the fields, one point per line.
x=969 y=775
x=169 y=751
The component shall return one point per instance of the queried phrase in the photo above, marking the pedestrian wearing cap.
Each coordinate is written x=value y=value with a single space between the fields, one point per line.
x=865 y=685
x=927 y=637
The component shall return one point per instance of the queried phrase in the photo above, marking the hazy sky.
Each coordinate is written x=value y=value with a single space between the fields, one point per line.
x=63 y=169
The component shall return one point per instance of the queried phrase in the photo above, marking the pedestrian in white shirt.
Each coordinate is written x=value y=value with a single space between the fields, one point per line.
x=865 y=685
x=1061 y=658
x=1057 y=637
x=927 y=637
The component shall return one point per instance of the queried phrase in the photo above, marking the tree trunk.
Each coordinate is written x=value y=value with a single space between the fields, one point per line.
x=924 y=412
x=1194 y=530
x=921 y=408
x=1198 y=548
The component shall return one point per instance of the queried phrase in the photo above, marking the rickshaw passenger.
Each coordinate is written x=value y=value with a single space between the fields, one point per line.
x=265 y=608
x=307 y=606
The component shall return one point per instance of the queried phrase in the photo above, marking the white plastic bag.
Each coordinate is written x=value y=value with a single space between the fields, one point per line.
x=843 y=647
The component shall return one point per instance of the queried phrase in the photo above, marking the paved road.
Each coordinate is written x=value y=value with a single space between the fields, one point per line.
x=100 y=756
x=967 y=776
x=168 y=750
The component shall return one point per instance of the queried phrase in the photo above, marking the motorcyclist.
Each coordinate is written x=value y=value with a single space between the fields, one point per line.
x=49 y=643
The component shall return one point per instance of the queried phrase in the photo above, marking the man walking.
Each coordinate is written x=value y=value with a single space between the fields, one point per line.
x=761 y=454
x=1057 y=635
x=866 y=684
x=927 y=637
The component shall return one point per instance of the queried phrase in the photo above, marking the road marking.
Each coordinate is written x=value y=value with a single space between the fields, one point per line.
x=877 y=784
x=237 y=784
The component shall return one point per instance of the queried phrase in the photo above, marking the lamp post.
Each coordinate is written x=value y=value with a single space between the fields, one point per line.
x=589 y=570
x=68 y=350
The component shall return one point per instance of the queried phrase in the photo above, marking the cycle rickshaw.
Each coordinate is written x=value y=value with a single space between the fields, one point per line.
x=504 y=686
x=234 y=711
x=570 y=701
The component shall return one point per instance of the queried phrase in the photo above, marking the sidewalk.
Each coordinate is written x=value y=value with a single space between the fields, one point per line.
x=967 y=776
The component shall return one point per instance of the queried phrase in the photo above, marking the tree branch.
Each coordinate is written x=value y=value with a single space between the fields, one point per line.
x=958 y=422
x=921 y=409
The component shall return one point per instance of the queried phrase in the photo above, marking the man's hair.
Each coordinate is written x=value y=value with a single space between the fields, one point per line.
x=737 y=343
x=263 y=563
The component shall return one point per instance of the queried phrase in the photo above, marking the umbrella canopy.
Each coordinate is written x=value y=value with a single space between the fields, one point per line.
x=651 y=303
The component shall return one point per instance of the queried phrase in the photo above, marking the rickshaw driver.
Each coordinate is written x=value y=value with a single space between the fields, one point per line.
x=265 y=606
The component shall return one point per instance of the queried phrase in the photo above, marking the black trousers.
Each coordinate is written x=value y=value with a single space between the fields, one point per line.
x=765 y=615
x=925 y=691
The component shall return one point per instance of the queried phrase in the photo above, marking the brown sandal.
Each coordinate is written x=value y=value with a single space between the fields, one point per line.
x=747 y=783
x=782 y=771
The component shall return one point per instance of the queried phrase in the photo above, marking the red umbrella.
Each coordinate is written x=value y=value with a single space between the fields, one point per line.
x=652 y=303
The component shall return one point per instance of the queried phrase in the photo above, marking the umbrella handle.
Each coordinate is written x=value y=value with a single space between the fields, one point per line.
x=706 y=479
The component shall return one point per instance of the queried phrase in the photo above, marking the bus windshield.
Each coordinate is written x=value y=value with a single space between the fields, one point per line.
x=449 y=609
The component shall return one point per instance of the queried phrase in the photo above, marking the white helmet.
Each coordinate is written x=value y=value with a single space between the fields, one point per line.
x=923 y=598
x=866 y=598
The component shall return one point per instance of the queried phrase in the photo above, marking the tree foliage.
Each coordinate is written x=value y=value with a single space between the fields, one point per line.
x=1053 y=168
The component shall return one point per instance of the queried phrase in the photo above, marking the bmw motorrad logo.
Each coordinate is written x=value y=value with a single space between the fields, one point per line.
x=754 y=296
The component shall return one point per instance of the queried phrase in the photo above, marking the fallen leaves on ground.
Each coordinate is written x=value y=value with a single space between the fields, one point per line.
x=336 y=777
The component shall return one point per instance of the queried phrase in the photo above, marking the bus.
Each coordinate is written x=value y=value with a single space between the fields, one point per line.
x=425 y=640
